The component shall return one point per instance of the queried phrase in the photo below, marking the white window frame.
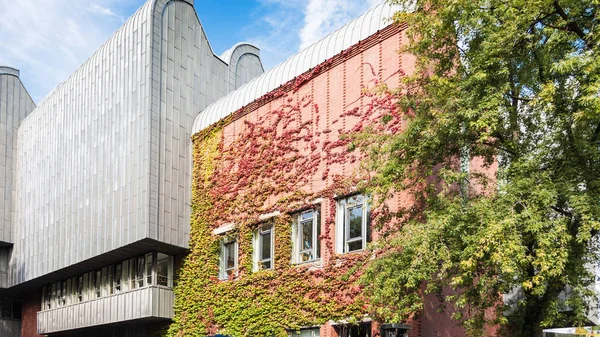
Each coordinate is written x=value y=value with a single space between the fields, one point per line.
x=267 y=228
x=342 y=229
x=314 y=332
x=222 y=258
x=297 y=236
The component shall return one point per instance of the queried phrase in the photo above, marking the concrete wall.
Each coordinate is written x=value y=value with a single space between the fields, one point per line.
x=144 y=303
x=105 y=159
x=10 y=328
x=15 y=105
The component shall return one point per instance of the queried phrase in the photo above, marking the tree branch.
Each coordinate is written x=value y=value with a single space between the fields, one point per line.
x=571 y=26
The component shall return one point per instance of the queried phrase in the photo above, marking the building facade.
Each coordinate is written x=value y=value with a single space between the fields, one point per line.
x=164 y=189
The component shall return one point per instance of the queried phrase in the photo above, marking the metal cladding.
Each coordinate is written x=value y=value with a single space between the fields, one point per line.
x=345 y=37
x=15 y=105
x=104 y=161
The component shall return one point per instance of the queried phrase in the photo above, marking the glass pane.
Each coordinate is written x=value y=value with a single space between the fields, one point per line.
x=148 y=269
x=306 y=256
x=118 y=276
x=265 y=251
x=306 y=215
x=162 y=269
x=356 y=245
x=317 y=240
x=355 y=222
x=307 y=235
x=266 y=264
x=17 y=310
x=140 y=271
x=6 y=308
x=230 y=255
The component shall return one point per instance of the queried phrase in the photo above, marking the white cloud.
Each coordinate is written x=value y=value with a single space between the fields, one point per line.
x=48 y=40
x=322 y=17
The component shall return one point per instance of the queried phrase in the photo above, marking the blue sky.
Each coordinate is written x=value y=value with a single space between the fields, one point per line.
x=49 y=39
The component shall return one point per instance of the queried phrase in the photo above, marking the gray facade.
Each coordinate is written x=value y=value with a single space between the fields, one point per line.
x=155 y=303
x=100 y=170
x=105 y=159
x=15 y=105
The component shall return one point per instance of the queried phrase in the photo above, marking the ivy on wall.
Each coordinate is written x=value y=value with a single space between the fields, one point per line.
x=262 y=169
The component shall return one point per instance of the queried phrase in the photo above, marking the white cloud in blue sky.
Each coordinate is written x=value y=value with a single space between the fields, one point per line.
x=47 y=40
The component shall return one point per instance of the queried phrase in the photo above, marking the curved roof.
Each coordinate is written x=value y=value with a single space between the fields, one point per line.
x=354 y=31
x=4 y=70
x=226 y=56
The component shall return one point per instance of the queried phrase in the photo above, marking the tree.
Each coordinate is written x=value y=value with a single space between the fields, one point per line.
x=515 y=83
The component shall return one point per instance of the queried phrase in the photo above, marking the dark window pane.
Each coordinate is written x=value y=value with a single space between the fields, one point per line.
x=265 y=246
x=162 y=269
x=17 y=310
x=230 y=255
x=266 y=264
x=149 y=269
x=5 y=308
x=356 y=245
x=307 y=235
x=317 y=240
x=355 y=222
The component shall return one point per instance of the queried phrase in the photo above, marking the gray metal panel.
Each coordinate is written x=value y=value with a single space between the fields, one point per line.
x=147 y=303
x=15 y=105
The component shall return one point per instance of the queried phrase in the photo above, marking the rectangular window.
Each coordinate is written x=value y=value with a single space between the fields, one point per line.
x=6 y=308
x=140 y=271
x=314 y=332
x=229 y=256
x=17 y=307
x=164 y=270
x=354 y=330
x=133 y=273
x=305 y=235
x=97 y=283
x=125 y=284
x=353 y=230
x=118 y=277
x=110 y=280
x=149 y=269
x=80 y=289
x=263 y=247
x=63 y=293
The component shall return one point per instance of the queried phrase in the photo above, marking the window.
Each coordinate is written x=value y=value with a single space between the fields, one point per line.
x=80 y=289
x=149 y=269
x=353 y=229
x=5 y=308
x=314 y=332
x=140 y=271
x=118 y=277
x=96 y=282
x=263 y=247
x=359 y=330
x=164 y=270
x=229 y=259
x=46 y=297
x=63 y=293
x=305 y=235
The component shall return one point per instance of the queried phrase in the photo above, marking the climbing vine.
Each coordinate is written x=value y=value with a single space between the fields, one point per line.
x=268 y=167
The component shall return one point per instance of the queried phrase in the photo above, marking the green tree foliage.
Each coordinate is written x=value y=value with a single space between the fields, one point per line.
x=514 y=83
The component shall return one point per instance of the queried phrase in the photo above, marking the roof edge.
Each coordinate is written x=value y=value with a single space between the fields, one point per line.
x=5 y=70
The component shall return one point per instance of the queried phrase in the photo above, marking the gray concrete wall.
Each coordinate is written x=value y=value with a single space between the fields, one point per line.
x=15 y=105
x=147 y=303
x=105 y=159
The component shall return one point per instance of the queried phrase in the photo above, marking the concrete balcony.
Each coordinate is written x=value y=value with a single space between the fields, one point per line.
x=149 y=303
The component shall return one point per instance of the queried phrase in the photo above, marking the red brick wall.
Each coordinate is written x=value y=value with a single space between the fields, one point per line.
x=31 y=305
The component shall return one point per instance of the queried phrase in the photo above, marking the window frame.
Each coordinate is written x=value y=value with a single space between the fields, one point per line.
x=223 y=258
x=297 y=231
x=342 y=230
x=259 y=233
x=316 y=332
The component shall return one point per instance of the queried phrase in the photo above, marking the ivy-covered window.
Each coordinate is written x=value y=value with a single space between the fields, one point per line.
x=263 y=247
x=305 y=235
x=312 y=332
x=354 y=330
x=228 y=259
x=353 y=230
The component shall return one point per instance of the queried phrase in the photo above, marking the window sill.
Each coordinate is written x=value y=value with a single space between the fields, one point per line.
x=310 y=264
